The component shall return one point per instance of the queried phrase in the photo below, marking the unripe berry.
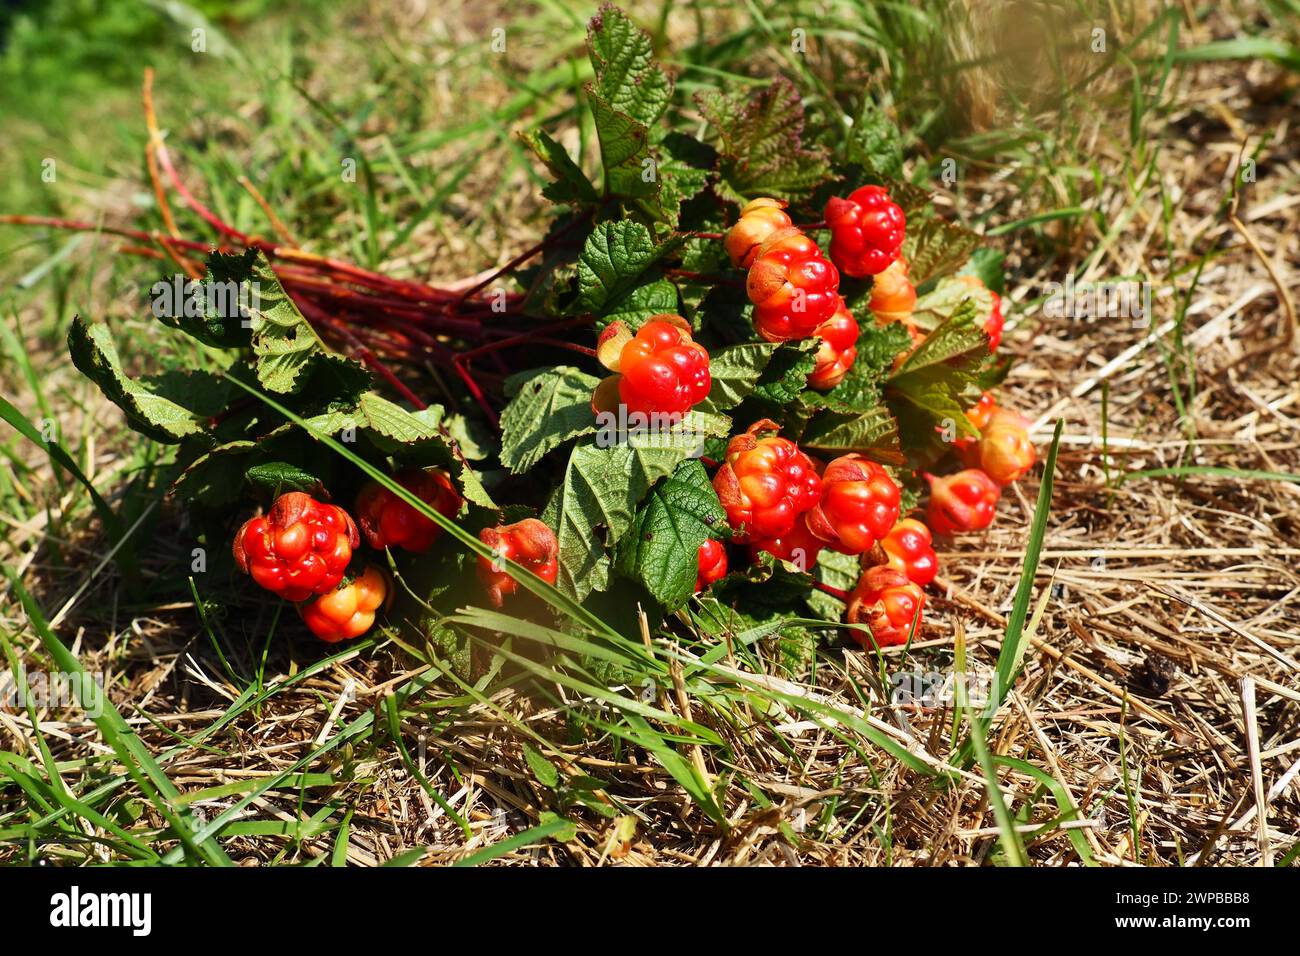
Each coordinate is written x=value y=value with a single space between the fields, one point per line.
x=759 y=221
x=858 y=506
x=299 y=548
x=838 y=349
x=349 y=610
x=867 y=231
x=893 y=297
x=1004 y=451
x=389 y=522
x=908 y=548
x=978 y=415
x=530 y=543
x=765 y=483
x=712 y=563
x=794 y=288
x=966 y=501
x=663 y=370
x=799 y=546
x=888 y=604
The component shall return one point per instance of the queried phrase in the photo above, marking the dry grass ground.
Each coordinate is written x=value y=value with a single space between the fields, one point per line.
x=1160 y=697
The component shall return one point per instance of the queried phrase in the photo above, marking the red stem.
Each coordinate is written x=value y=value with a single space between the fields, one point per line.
x=832 y=591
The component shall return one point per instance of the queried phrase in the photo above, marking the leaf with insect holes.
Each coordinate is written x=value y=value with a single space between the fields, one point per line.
x=547 y=408
x=736 y=371
x=289 y=355
x=570 y=183
x=932 y=388
x=217 y=321
x=661 y=550
x=761 y=149
x=616 y=273
x=935 y=247
x=168 y=408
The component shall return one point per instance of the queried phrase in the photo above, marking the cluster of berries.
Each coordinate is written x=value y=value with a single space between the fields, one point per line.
x=302 y=550
x=780 y=500
x=795 y=288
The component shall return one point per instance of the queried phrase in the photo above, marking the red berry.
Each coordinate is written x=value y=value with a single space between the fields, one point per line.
x=966 y=501
x=1004 y=451
x=349 y=610
x=909 y=549
x=663 y=370
x=993 y=325
x=765 y=483
x=712 y=559
x=528 y=542
x=799 y=546
x=866 y=231
x=794 y=287
x=759 y=221
x=888 y=604
x=299 y=548
x=838 y=349
x=859 y=504
x=389 y=522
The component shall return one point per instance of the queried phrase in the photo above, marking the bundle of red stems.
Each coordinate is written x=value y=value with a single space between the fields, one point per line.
x=377 y=319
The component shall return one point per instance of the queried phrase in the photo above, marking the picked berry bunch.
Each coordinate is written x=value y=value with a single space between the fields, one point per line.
x=789 y=367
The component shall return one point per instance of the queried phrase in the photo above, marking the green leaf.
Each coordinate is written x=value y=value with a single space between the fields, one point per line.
x=624 y=151
x=761 y=150
x=987 y=265
x=872 y=433
x=278 y=477
x=939 y=381
x=662 y=547
x=167 y=408
x=414 y=436
x=935 y=247
x=548 y=407
x=854 y=416
x=786 y=374
x=612 y=272
x=601 y=489
x=221 y=326
x=627 y=78
x=216 y=477
x=570 y=184
x=546 y=772
x=736 y=371
x=685 y=168
x=656 y=297
x=874 y=143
